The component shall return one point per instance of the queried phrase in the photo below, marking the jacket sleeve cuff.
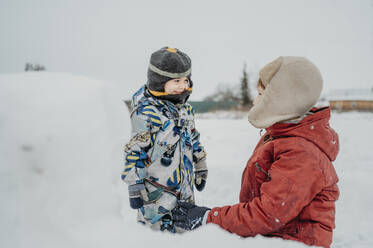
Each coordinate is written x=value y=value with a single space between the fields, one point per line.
x=213 y=216
x=205 y=217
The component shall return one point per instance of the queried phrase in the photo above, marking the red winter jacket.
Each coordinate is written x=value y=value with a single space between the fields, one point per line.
x=289 y=185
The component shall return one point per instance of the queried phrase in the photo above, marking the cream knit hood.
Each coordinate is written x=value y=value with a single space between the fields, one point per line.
x=292 y=87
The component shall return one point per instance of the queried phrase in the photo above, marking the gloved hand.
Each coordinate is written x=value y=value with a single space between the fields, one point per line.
x=188 y=216
x=200 y=175
x=137 y=195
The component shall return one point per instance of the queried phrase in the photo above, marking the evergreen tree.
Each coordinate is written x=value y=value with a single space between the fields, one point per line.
x=245 y=90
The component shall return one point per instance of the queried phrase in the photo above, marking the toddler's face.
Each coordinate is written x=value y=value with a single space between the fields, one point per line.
x=176 y=86
x=260 y=92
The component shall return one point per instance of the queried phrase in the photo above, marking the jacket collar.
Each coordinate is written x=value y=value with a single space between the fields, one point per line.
x=314 y=128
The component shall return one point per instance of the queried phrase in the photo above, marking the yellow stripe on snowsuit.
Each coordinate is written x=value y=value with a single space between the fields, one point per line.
x=171 y=181
x=149 y=108
x=129 y=166
x=131 y=157
x=189 y=110
x=156 y=121
x=147 y=112
x=152 y=115
x=183 y=174
x=178 y=175
x=152 y=139
x=127 y=169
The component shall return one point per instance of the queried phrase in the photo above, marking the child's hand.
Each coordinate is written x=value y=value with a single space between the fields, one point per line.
x=137 y=195
x=200 y=175
x=189 y=216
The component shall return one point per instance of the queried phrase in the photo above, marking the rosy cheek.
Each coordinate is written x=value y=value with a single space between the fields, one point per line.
x=169 y=88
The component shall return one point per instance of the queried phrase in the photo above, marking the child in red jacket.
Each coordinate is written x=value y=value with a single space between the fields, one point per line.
x=289 y=186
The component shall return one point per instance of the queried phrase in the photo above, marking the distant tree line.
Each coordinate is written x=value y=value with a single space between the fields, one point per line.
x=34 y=67
x=239 y=93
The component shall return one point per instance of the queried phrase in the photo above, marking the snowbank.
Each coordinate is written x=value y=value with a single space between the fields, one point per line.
x=61 y=139
x=60 y=156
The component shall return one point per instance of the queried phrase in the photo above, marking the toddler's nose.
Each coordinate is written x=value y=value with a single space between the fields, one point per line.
x=183 y=87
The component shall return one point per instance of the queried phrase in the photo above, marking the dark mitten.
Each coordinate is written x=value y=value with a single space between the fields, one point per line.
x=200 y=174
x=135 y=196
x=188 y=216
x=200 y=179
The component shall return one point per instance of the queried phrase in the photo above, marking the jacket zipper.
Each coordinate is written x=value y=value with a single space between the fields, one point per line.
x=260 y=169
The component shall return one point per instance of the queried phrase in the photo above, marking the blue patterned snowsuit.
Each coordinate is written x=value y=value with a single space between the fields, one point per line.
x=164 y=148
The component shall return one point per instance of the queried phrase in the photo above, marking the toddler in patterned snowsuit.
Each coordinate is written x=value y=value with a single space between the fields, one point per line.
x=164 y=159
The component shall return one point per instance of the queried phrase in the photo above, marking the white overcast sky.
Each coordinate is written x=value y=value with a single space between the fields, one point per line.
x=113 y=39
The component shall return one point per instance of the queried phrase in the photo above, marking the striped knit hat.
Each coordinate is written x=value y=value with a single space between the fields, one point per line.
x=167 y=64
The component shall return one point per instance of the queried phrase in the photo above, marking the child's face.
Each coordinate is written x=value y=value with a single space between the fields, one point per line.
x=176 y=86
x=260 y=92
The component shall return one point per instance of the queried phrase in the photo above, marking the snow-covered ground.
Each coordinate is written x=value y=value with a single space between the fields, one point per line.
x=61 y=139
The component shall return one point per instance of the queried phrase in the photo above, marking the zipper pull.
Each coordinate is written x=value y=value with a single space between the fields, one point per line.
x=260 y=169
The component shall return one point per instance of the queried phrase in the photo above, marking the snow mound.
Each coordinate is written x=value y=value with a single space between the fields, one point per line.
x=60 y=154
x=61 y=139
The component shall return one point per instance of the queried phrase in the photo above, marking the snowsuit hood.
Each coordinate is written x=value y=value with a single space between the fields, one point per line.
x=142 y=96
x=292 y=87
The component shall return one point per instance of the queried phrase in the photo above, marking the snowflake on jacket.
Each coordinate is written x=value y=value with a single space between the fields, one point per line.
x=164 y=159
